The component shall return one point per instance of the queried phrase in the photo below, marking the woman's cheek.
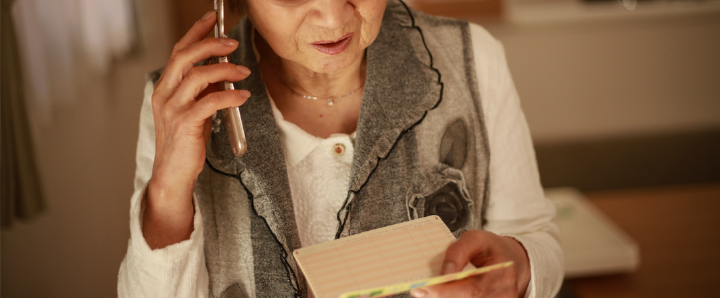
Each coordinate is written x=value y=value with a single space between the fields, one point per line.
x=368 y=33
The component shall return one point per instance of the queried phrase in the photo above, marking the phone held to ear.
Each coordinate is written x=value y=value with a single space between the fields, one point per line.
x=233 y=122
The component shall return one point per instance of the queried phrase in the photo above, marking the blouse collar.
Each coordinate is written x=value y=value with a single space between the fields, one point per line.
x=296 y=142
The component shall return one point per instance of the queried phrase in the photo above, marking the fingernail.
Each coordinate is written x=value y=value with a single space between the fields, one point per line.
x=245 y=93
x=228 y=42
x=208 y=15
x=448 y=268
x=243 y=70
x=418 y=293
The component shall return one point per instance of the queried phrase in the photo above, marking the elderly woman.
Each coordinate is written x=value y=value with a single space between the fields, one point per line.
x=359 y=114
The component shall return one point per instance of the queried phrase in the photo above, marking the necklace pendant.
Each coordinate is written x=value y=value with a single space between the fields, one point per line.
x=330 y=102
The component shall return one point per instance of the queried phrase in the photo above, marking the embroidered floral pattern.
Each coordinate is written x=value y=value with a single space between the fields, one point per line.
x=448 y=203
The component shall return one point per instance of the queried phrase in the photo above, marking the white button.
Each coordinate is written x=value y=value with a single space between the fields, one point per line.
x=339 y=149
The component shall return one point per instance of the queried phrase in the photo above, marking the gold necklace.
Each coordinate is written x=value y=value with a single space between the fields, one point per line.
x=329 y=99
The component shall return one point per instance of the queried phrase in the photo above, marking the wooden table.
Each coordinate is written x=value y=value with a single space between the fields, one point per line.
x=678 y=230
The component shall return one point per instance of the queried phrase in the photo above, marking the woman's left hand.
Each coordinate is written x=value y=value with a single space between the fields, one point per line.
x=483 y=248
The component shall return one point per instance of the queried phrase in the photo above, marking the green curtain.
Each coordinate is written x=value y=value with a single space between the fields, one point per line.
x=21 y=192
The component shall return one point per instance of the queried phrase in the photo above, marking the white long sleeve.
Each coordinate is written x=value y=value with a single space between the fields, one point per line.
x=177 y=270
x=517 y=206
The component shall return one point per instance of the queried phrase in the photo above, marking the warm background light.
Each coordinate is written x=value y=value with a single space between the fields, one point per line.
x=622 y=104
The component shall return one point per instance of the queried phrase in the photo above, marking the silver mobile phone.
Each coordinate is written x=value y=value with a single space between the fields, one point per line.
x=233 y=122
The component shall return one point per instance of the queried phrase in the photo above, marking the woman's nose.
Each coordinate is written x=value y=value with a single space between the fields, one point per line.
x=332 y=14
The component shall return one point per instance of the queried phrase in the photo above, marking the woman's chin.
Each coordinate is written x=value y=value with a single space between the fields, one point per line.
x=324 y=63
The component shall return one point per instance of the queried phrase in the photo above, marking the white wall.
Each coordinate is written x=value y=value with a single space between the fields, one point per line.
x=86 y=162
x=602 y=71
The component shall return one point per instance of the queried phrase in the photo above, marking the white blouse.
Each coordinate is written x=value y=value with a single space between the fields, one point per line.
x=319 y=174
x=319 y=179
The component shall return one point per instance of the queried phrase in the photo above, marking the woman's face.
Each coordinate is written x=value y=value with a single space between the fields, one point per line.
x=324 y=36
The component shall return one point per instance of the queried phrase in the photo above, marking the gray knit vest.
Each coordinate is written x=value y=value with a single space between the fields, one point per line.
x=421 y=149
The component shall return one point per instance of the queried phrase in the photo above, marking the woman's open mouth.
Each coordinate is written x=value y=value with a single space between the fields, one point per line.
x=333 y=47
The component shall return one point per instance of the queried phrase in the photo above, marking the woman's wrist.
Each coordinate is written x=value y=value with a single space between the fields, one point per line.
x=169 y=194
x=169 y=211
x=522 y=261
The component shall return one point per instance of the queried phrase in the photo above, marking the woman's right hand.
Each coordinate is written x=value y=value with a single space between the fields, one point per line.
x=183 y=103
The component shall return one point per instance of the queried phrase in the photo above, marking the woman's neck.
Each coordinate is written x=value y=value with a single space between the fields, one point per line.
x=288 y=81
x=304 y=81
